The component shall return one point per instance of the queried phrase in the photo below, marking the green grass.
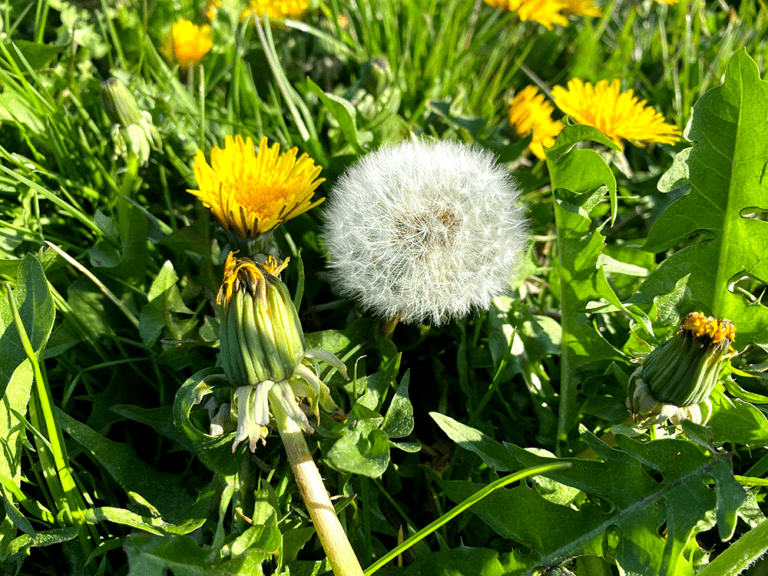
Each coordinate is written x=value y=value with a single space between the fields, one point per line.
x=110 y=269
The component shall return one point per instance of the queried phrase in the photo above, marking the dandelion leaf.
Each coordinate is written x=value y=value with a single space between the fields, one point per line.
x=724 y=177
x=633 y=490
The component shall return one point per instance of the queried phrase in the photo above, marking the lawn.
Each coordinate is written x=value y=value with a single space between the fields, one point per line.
x=426 y=287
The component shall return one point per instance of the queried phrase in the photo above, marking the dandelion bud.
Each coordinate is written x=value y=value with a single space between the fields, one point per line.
x=132 y=128
x=261 y=337
x=424 y=231
x=262 y=352
x=676 y=379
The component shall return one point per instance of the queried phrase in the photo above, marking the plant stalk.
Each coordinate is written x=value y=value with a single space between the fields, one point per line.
x=327 y=525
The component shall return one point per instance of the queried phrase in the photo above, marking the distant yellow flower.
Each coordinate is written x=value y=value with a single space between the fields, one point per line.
x=667 y=1
x=584 y=8
x=211 y=8
x=617 y=115
x=545 y=12
x=530 y=112
x=186 y=43
x=251 y=193
x=275 y=9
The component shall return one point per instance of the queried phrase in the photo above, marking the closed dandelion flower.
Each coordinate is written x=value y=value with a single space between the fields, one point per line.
x=275 y=9
x=186 y=43
x=133 y=132
x=617 y=115
x=545 y=12
x=263 y=354
x=583 y=8
x=424 y=231
x=530 y=113
x=676 y=379
x=252 y=193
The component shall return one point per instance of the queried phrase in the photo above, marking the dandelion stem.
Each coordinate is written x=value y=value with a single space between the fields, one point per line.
x=327 y=525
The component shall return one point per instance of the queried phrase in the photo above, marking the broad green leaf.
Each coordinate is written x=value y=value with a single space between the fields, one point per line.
x=398 y=422
x=154 y=556
x=461 y=561
x=491 y=452
x=620 y=477
x=724 y=174
x=129 y=263
x=343 y=112
x=35 y=306
x=164 y=298
x=162 y=489
x=363 y=450
x=736 y=421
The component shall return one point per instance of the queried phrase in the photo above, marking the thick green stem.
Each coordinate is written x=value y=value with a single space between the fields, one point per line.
x=327 y=525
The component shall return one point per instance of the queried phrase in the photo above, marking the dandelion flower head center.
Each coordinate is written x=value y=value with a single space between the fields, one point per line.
x=186 y=43
x=424 y=231
x=709 y=328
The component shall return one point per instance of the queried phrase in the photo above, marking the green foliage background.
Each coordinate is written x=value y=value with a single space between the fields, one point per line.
x=109 y=330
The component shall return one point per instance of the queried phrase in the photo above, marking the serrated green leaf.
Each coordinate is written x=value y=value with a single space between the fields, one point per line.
x=725 y=172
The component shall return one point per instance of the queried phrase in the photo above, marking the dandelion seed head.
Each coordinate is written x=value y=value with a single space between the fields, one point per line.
x=424 y=231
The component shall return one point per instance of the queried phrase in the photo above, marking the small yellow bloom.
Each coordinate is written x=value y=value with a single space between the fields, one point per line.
x=251 y=193
x=583 y=8
x=617 y=115
x=275 y=9
x=211 y=9
x=667 y=1
x=186 y=43
x=545 y=12
x=530 y=112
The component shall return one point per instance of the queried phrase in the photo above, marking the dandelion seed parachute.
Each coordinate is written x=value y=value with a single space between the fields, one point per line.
x=424 y=231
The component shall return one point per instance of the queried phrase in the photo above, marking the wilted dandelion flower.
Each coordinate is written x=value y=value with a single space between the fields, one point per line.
x=252 y=193
x=263 y=354
x=424 y=231
x=676 y=379
x=275 y=9
x=186 y=43
x=617 y=115
x=530 y=112
x=545 y=12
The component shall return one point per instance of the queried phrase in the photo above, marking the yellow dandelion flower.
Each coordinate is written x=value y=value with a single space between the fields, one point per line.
x=583 y=8
x=275 y=9
x=211 y=9
x=667 y=1
x=530 y=112
x=617 y=115
x=186 y=43
x=545 y=12
x=252 y=193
